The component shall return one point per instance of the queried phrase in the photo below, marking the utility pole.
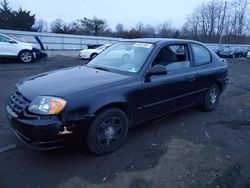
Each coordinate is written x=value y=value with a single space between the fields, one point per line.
x=222 y=23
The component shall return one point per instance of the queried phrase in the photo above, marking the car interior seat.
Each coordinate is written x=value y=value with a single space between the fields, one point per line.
x=167 y=57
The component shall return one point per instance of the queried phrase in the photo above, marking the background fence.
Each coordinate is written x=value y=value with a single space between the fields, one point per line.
x=59 y=41
x=76 y=42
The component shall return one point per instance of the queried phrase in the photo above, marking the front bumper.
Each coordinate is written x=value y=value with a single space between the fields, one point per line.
x=43 y=133
x=84 y=56
x=39 y=54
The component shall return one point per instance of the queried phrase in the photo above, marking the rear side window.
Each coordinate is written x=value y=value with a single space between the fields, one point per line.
x=201 y=55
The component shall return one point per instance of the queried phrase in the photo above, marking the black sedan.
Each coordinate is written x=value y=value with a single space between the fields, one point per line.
x=131 y=82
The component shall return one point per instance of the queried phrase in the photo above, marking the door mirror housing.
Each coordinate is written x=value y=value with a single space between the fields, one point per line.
x=12 y=41
x=156 y=70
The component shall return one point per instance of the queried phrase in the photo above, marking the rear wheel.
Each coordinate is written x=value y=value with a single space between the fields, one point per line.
x=212 y=98
x=25 y=56
x=107 y=132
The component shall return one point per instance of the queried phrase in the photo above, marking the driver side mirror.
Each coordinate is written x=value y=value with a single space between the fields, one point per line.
x=156 y=70
x=12 y=41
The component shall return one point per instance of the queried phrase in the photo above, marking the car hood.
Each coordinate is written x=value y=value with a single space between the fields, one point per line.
x=27 y=45
x=65 y=82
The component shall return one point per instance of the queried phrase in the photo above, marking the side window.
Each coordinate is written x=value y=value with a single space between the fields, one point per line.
x=174 y=57
x=201 y=55
x=4 y=39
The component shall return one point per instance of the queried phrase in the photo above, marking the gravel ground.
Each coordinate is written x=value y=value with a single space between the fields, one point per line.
x=68 y=53
x=190 y=148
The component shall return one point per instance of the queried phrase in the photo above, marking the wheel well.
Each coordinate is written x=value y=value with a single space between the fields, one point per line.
x=93 y=54
x=24 y=51
x=218 y=83
x=119 y=106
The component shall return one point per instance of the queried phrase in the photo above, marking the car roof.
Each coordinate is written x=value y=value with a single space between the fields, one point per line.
x=158 y=40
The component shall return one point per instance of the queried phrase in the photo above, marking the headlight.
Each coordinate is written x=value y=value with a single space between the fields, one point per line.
x=45 y=105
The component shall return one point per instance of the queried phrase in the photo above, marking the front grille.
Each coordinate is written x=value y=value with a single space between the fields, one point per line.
x=17 y=102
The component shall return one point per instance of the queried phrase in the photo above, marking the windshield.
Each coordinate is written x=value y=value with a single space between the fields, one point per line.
x=123 y=56
x=18 y=38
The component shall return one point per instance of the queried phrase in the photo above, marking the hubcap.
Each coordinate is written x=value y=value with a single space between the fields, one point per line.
x=109 y=132
x=26 y=57
x=213 y=96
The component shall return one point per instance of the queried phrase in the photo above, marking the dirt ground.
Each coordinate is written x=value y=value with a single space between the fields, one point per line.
x=190 y=148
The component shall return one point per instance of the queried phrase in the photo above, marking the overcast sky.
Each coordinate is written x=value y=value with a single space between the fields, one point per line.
x=128 y=12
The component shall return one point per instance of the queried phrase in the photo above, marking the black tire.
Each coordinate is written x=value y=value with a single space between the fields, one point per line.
x=93 y=56
x=107 y=132
x=212 y=98
x=25 y=56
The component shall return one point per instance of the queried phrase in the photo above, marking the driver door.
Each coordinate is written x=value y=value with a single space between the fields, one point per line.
x=166 y=93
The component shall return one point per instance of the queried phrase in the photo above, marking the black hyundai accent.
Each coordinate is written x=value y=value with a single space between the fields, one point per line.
x=129 y=83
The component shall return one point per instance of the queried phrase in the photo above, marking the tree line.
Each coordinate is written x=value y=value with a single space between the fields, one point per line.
x=15 y=19
x=208 y=23
x=210 y=20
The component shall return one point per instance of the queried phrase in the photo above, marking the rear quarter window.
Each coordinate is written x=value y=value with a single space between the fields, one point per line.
x=201 y=55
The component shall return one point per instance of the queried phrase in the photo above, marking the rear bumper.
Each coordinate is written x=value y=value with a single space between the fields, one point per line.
x=46 y=133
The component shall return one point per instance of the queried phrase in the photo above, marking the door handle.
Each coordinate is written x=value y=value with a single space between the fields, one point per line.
x=191 y=78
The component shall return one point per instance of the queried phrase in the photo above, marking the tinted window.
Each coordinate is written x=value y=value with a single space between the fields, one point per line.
x=201 y=54
x=174 y=57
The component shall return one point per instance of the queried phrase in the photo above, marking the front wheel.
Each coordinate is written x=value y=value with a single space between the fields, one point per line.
x=212 y=98
x=107 y=132
x=26 y=56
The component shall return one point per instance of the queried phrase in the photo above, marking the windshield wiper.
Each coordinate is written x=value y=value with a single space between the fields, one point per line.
x=101 y=68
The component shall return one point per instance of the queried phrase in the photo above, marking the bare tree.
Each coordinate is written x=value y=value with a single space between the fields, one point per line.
x=119 y=28
x=212 y=19
x=240 y=16
x=41 y=26
x=165 y=30
x=139 y=27
x=207 y=23
x=149 y=31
